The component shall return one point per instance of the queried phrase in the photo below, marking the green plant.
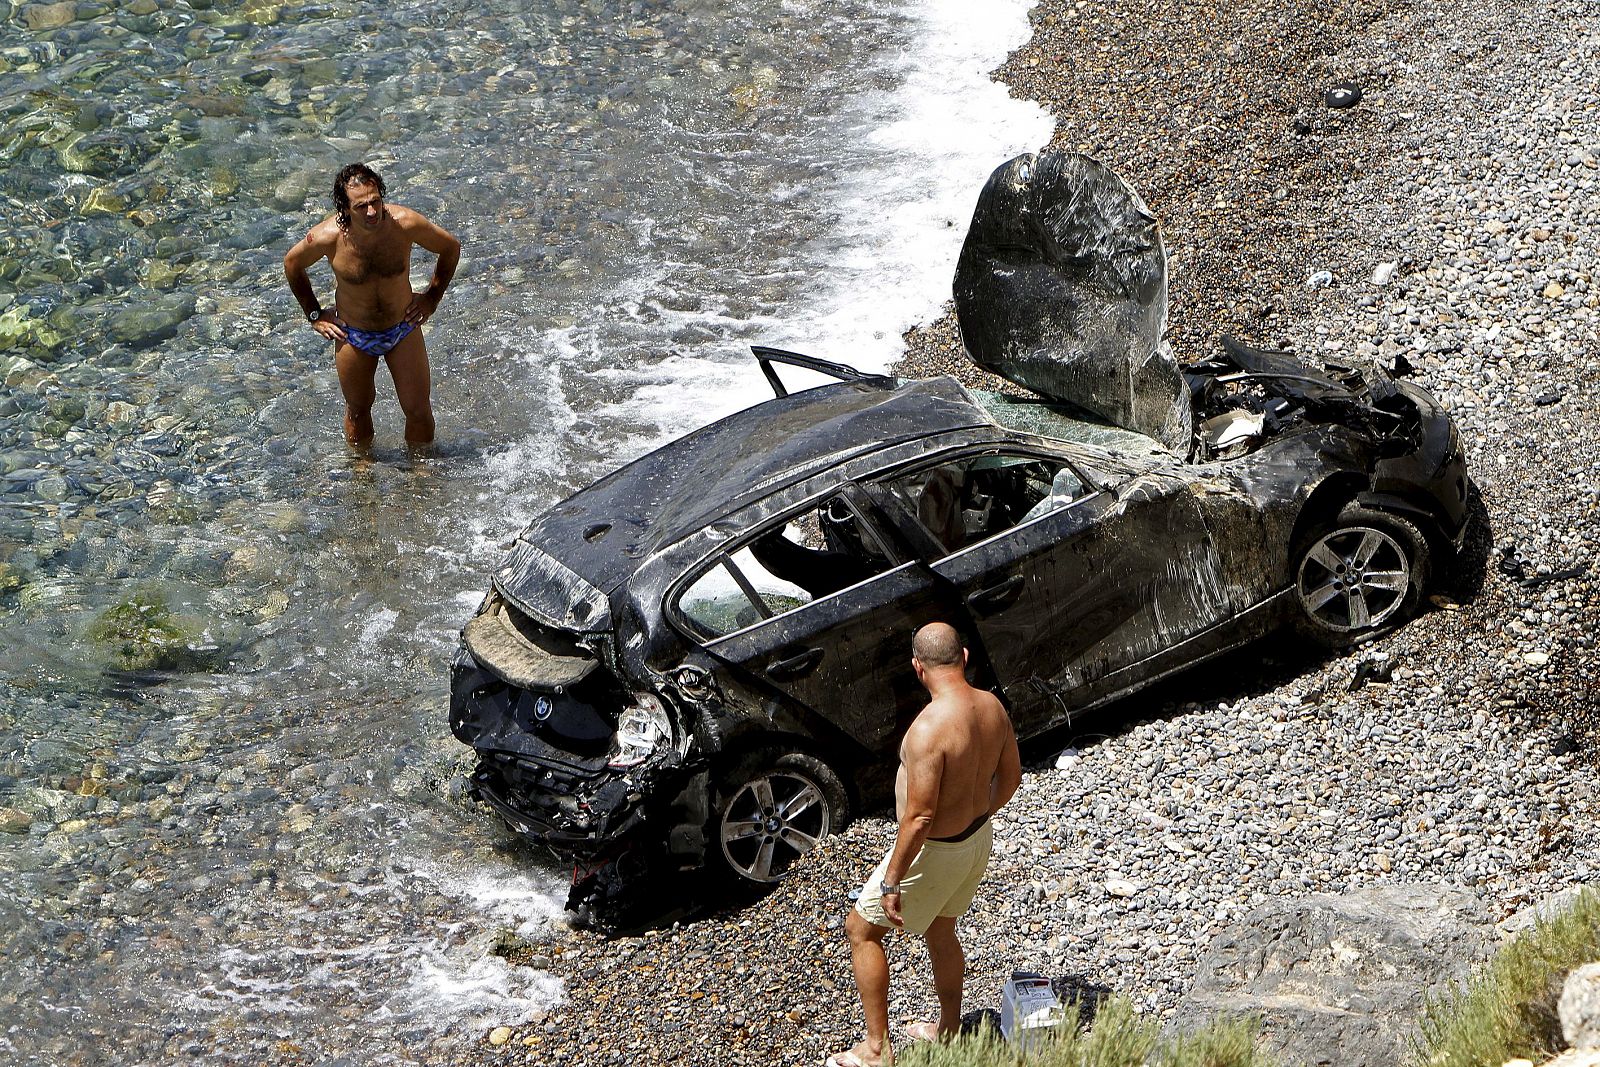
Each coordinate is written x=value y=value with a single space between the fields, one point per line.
x=1508 y=1009
x=1120 y=1037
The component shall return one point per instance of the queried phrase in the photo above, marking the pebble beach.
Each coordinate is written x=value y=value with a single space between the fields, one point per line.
x=1451 y=217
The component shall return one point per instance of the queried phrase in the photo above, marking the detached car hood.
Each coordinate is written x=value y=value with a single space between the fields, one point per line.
x=1062 y=287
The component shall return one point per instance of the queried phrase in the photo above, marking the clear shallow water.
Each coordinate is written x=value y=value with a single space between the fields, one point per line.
x=224 y=765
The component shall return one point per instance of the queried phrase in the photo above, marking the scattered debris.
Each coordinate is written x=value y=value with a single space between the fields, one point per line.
x=1378 y=668
x=1533 y=581
x=1232 y=428
x=1320 y=279
x=1342 y=95
x=1521 y=570
x=980 y=1019
x=1383 y=272
x=1069 y=757
x=1073 y=989
x=1512 y=565
x=1029 y=1008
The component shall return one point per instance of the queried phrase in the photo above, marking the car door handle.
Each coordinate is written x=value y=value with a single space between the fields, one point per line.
x=795 y=665
x=996 y=594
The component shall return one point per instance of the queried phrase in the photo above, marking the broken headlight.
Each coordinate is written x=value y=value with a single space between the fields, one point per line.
x=641 y=728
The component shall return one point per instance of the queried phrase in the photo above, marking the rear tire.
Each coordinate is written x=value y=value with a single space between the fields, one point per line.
x=773 y=808
x=1361 y=576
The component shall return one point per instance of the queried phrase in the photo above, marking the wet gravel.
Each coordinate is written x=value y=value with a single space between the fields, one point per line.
x=1454 y=214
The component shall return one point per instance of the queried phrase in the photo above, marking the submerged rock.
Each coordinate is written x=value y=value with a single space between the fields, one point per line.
x=49 y=16
x=142 y=634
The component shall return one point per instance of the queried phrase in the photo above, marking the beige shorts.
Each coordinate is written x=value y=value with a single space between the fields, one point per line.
x=942 y=881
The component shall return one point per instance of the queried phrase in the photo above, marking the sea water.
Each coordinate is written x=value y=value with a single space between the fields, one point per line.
x=227 y=825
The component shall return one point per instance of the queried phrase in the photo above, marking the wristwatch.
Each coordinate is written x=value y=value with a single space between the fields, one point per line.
x=886 y=888
x=314 y=314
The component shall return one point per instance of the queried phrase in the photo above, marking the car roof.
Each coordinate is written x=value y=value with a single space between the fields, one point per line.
x=603 y=533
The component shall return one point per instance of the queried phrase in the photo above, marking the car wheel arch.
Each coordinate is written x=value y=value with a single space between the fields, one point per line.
x=1361 y=551
x=1419 y=513
x=1322 y=506
x=789 y=771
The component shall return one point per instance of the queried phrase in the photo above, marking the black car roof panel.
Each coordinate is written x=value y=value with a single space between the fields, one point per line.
x=686 y=485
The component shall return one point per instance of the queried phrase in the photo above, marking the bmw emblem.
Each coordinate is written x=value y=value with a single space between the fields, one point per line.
x=542 y=708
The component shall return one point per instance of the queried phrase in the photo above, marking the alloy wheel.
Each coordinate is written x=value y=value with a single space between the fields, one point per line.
x=772 y=820
x=1354 y=578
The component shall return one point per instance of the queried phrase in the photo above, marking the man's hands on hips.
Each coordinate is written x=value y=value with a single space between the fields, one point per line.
x=422 y=307
x=327 y=327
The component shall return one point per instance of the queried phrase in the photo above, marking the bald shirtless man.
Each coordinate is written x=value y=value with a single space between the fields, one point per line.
x=376 y=317
x=958 y=766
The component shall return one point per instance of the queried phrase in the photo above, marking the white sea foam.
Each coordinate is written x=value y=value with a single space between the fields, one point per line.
x=903 y=199
x=908 y=165
x=941 y=134
x=528 y=901
x=463 y=983
x=481 y=993
x=441 y=978
x=375 y=626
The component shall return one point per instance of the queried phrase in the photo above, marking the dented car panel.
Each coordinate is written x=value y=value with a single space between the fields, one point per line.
x=716 y=630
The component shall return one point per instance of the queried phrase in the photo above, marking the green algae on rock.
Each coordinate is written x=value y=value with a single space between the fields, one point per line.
x=142 y=633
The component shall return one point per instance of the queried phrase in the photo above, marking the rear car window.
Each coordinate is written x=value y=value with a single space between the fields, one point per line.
x=787 y=566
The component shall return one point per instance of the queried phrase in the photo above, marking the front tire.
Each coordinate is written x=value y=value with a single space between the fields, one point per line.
x=774 y=808
x=1359 y=577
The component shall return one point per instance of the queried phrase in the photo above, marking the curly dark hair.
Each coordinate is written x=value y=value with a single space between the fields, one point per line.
x=353 y=172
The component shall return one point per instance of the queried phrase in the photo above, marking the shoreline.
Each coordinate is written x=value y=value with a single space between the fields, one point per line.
x=1476 y=752
x=1229 y=144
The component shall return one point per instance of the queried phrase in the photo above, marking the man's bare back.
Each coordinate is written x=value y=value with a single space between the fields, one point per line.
x=966 y=734
x=376 y=316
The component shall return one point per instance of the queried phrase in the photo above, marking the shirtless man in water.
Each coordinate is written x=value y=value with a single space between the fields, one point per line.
x=376 y=317
x=958 y=766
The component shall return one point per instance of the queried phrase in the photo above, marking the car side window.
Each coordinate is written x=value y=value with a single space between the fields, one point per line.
x=963 y=501
x=812 y=554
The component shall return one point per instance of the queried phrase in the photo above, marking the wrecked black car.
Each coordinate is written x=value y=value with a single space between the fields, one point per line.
x=706 y=652
x=704 y=656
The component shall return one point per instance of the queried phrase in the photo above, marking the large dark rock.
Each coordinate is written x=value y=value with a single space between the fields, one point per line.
x=1341 y=980
x=1062 y=287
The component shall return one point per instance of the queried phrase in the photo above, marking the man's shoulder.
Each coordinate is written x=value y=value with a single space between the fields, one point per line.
x=406 y=218
x=943 y=710
x=324 y=234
